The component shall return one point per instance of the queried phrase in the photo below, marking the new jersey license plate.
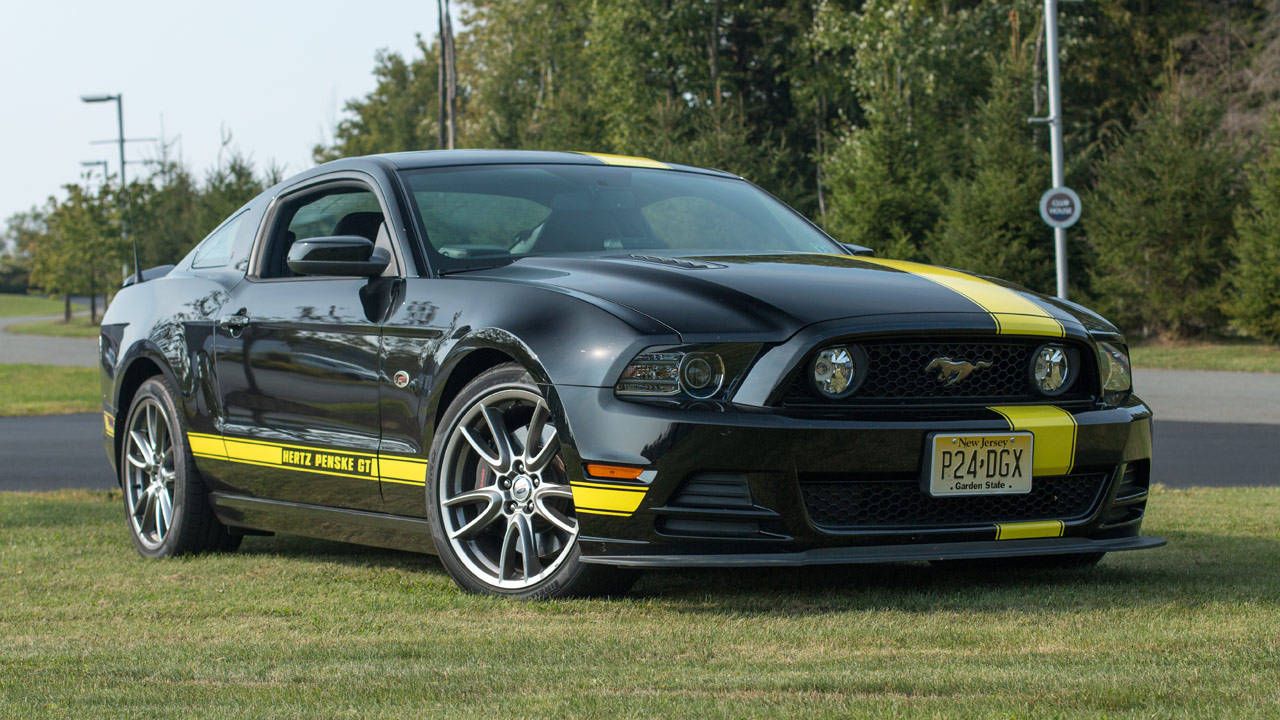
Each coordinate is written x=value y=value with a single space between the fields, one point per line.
x=979 y=464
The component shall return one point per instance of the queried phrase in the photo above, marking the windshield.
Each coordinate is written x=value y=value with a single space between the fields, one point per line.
x=486 y=215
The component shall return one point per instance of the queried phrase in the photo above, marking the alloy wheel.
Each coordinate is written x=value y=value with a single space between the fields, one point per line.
x=505 y=500
x=150 y=474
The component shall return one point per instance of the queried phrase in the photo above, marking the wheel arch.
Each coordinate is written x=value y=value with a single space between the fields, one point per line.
x=477 y=352
x=144 y=365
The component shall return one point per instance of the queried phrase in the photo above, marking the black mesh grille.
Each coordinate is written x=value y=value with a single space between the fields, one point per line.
x=900 y=502
x=897 y=372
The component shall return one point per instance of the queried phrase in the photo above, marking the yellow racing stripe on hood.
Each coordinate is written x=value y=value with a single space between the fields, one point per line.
x=1013 y=313
x=627 y=160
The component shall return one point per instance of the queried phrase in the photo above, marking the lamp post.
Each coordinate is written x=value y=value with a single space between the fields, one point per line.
x=118 y=99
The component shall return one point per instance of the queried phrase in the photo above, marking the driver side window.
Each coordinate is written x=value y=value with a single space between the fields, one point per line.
x=346 y=209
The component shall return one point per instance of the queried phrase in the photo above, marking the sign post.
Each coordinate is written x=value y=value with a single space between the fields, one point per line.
x=1055 y=143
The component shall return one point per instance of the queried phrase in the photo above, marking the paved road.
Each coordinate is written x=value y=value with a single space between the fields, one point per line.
x=1208 y=396
x=46 y=453
x=41 y=350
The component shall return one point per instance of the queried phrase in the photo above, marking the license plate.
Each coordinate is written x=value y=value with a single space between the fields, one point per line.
x=979 y=464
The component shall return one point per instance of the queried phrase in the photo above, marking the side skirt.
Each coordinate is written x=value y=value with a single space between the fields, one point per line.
x=327 y=523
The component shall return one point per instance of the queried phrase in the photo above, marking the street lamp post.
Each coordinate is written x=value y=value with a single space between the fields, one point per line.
x=118 y=99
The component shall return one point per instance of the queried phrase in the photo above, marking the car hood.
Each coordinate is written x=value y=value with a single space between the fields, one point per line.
x=776 y=295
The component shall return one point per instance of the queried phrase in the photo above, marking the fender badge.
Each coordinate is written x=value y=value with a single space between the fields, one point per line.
x=401 y=379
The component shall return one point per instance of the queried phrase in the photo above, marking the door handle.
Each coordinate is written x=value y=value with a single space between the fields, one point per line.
x=234 y=323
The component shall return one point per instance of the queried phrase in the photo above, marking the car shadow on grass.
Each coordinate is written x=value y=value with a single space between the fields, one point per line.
x=1194 y=569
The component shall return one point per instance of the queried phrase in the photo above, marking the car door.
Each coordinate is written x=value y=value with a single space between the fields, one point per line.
x=297 y=358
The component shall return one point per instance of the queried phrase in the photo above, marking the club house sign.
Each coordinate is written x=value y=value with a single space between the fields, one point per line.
x=1060 y=207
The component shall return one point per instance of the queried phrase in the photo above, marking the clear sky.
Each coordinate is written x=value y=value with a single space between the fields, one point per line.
x=272 y=73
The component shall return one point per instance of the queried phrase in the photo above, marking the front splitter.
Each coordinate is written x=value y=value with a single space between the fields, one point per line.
x=923 y=552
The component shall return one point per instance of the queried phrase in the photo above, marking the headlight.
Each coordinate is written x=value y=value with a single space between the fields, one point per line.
x=1051 y=369
x=1114 y=367
x=685 y=373
x=651 y=374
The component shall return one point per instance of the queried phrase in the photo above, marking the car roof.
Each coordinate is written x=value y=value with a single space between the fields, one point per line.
x=450 y=158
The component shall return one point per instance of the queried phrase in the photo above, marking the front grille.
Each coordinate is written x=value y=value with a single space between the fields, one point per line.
x=898 y=501
x=896 y=374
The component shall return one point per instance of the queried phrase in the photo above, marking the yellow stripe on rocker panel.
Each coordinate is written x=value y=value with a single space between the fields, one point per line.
x=1013 y=313
x=627 y=160
x=602 y=500
x=207 y=445
x=301 y=458
x=1054 y=430
x=1029 y=530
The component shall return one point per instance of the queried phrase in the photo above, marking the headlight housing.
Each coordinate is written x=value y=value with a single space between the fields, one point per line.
x=685 y=373
x=1114 y=369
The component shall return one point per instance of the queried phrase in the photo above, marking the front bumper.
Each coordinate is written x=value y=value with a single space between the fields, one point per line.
x=762 y=467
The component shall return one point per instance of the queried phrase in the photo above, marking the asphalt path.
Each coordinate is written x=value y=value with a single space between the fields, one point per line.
x=65 y=451
x=43 y=350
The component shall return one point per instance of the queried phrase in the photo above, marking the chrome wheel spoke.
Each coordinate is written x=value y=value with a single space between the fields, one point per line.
x=143 y=444
x=137 y=462
x=483 y=452
x=507 y=554
x=164 y=513
x=554 y=517
x=490 y=512
x=501 y=440
x=546 y=453
x=141 y=504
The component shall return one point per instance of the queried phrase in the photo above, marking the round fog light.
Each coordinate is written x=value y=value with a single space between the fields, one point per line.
x=1051 y=369
x=834 y=372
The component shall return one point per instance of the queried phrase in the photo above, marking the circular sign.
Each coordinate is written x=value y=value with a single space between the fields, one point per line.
x=1060 y=207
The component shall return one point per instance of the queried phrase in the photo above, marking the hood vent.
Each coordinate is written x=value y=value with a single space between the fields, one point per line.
x=685 y=263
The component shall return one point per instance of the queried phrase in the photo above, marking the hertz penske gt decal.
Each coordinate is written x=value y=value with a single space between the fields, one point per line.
x=303 y=458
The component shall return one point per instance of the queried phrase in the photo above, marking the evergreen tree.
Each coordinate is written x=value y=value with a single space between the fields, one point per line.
x=919 y=69
x=1255 y=300
x=1160 y=219
x=990 y=223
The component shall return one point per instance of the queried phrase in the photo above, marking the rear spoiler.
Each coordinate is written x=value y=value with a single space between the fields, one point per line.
x=149 y=274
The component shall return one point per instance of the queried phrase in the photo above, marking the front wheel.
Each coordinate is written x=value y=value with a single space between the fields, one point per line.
x=498 y=495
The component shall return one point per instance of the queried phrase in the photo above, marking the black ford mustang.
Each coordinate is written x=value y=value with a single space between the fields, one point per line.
x=554 y=368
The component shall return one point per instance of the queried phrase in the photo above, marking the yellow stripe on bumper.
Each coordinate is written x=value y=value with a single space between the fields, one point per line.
x=1054 y=430
x=627 y=160
x=1029 y=530
x=109 y=424
x=604 y=499
x=1013 y=313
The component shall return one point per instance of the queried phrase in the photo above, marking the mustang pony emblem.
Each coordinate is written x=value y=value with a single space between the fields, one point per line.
x=951 y=371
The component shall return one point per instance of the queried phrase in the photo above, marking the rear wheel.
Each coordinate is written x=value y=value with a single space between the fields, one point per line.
x=165 y=502
x=498 y=495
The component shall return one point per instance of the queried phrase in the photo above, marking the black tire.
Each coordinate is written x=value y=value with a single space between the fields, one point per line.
x=192 y=527
x=1034 y=562
x=570 y=577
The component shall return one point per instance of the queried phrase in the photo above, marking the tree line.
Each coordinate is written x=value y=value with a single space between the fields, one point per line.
x=902 y=125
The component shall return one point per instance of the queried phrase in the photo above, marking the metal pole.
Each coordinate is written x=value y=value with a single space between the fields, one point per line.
x=1055 y=134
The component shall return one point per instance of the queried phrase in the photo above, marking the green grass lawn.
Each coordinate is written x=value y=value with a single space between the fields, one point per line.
x=12 y=305
x=80 y=326
x=299 y=628
x=48 y=390
x=1222 y=355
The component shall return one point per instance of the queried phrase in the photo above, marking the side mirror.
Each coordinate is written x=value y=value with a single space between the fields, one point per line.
x=858 y=249
x=338 y=255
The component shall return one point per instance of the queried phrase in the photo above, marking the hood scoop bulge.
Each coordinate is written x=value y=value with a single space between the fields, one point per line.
x=685 y=263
